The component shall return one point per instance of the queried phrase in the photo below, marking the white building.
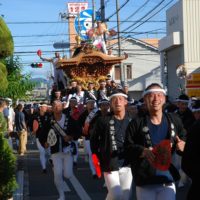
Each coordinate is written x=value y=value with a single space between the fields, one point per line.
x=180 y=49
x=141 y=68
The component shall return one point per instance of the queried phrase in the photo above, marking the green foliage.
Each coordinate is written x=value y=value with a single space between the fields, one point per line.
x=3 y=77
x=6 y=40
x=18 y=84
x=6 y=49
x=8 y=182
x=3 y=126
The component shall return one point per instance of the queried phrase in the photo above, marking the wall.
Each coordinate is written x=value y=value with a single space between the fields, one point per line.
x=182 y=42
x=174 y=59
x=145 y=62
x=191 y=24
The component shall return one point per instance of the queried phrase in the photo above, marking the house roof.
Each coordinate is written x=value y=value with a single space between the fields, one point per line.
x=147 y=43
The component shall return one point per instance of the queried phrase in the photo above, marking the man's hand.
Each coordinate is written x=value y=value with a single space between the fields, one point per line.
x=67 y=138
x=180 y=144
x=46 y=145
x=147 y=153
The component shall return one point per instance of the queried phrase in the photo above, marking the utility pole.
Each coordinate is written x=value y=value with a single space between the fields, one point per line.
x=102 y=10
x=93 y=14
x=119 y=44
x=103 y=16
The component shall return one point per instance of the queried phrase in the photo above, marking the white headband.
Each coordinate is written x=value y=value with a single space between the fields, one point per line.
x=103 y=102
x=196 y=110
x=73 y=99
x=182 y=100
x=44 y=104
x=90 y=100
x=153 y=91
x=118 y=94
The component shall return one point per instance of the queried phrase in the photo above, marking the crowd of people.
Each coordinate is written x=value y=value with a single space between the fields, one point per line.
x=142 y=147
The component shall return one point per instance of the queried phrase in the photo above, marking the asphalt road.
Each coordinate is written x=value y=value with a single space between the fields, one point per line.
x=39 y=186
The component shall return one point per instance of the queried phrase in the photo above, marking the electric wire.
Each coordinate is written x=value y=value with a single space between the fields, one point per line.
x=134 y=13
x=144 y=16
x=107 y=19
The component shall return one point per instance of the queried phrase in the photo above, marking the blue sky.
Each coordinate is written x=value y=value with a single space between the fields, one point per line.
x=21 y=15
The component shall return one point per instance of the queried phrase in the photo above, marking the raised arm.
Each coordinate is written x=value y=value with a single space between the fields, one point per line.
x=46 y=59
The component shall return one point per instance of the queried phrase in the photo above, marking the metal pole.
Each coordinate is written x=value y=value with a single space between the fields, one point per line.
x=119 y=44
x=102 y=10
x=103 y=15
x=93 y=15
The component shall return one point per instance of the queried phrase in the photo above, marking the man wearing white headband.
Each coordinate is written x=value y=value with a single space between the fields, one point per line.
x=85 y=119
x=59 y=138
x=184 y=112
x=187 y=119
x=149 y=143
x=40 y=129
x=107 y=142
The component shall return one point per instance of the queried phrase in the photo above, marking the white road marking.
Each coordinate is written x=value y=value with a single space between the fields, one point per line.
x=18 y=194
x=79 y=189
x=66 y=187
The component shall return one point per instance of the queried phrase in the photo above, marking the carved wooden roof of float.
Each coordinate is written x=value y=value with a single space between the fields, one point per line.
x=89 y=64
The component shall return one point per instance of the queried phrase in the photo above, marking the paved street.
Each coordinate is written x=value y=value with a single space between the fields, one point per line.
x=39 y=186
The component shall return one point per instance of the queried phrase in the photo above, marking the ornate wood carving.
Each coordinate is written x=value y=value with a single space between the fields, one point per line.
x=89 y=64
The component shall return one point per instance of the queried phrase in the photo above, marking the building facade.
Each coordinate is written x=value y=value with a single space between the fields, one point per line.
x=141 y=68
x=180 y=49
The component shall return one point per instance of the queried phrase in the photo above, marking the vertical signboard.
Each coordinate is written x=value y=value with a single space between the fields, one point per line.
x=193 y=85
x=76 y=8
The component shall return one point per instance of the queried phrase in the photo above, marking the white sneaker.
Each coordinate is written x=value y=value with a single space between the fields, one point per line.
x=180 y=184
x=104 y=185
x=61 y=198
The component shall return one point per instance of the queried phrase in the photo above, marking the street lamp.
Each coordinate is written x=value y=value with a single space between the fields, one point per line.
x=181 y=72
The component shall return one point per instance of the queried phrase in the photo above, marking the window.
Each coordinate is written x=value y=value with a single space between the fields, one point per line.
x=117 y=72
x=129 y=71
x=128 y=74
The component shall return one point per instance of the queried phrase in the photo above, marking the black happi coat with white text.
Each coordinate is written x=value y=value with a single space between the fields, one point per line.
x=43 y=128
x=136 y=141
x=101 y=144
x=71 y=128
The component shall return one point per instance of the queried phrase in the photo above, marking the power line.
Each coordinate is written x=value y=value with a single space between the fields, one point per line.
x=67 y=34
x=140 y=33
x=147 y=18
x=33 y=22
x=29 y=52
x=43 y=35
x=56 y=22
x=142 y=6
x=34 y=45
x=118 y=9
x=153 y=14
x=143 y=17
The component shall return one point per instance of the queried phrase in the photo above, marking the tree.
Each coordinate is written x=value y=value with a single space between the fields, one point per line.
x=6 y=49
x=6 y=40
x=8 y=182
x=18 y=84
x=3 y=77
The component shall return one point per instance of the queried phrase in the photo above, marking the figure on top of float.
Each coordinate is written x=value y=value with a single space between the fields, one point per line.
x=96 y=34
